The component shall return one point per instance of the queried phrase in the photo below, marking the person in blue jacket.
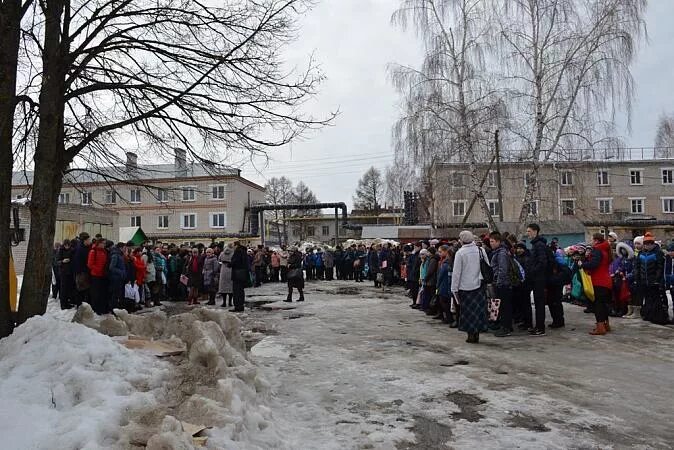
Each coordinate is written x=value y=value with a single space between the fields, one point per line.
x=319 y=264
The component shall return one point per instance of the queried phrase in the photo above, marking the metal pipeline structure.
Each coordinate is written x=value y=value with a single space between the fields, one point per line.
x=256 y=215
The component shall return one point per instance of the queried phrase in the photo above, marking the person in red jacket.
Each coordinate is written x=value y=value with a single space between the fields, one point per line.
x=597 y=266
x=141 y=269
x=97 y=261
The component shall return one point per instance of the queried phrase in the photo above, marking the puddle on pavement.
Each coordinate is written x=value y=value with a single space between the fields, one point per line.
x=429 y=434
x=468 y=405
x=526 y=421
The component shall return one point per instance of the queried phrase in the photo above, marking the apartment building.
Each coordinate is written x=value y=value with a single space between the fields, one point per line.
x=626 y=194
x=179 y=202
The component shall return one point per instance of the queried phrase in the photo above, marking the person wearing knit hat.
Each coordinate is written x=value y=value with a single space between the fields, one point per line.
x=597 y=266
x=649 y=268
x=466 y=287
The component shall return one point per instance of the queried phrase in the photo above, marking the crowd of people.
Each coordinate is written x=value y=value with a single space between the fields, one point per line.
x=124 y=275
x=475 y=284
x=486 y=283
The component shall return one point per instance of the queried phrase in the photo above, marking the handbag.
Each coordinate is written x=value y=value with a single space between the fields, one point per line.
x=485 y=269
x=184 y=280
x=624 y=293
x=586 y=280
x=493 y=308
x=577 y=287
x=294 y=274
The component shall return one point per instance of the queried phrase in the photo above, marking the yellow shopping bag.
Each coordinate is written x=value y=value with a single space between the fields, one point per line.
x=586 y=281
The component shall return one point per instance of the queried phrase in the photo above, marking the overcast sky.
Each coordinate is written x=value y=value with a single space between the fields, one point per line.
x=354 y=41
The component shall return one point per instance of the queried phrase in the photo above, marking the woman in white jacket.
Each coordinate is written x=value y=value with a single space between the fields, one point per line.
x=467 y=287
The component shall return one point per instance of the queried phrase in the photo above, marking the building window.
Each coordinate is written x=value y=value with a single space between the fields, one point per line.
x=568 y=207
x=325 y=230
x=218 y=192
x=602 y=177
x=667 y=176
x=110 y=197
x=605 y=205
x=218 y=220
x=456 y=179
x=134 y=195
x=491 y=179
x=188 y=221
x=135 y=221
x=532 y=209
x=567 y=178
x=162 y=222
x=494 y=209
x=459 y=208
x=189 y=194
x=86 y=198
x=162 y=196
x=18 y=197
x=64 y=197
x=637 y=205
x=668 y=205
x=311 y=231
x=636 y=177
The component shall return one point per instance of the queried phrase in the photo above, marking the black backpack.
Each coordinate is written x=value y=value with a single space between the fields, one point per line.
x=485 y=269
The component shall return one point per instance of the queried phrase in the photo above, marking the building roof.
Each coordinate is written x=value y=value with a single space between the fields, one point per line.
x=141 y=172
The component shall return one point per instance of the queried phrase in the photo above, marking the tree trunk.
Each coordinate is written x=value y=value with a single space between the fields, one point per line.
x=49 y=165
x=10 y=21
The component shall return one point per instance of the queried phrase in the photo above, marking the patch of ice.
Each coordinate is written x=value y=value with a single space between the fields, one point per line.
x=269 y=348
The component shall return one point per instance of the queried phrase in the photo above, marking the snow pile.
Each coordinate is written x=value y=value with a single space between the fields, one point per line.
x=63 y=385
x=370 y=242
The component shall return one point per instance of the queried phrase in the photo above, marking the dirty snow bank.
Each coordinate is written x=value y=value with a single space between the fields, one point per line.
x=63 y=385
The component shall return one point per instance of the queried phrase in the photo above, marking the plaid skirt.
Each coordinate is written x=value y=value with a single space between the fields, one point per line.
x=473 y=312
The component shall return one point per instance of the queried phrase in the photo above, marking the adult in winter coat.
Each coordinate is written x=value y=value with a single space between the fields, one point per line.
x=258 y=265
x=501 y=263
x=669 y=273
x=319 y=264
x=64 y=262
x=597 y=266
x=80 y=257
x=329 y=259
x=275 y=266
x=413 y=267
x=226 y=287
x=386 y=263
x=116 y=275
x=283 y=254
x=194 y=265
x=443 y=285
x=621 y=272
x=373 y=265
x=339 y=262
x=240 y=277
x=538 y=275
x=295 y=277
x=150 y=275
x=97 y=263
x=210 y=273
x=56 y=278
x=430 y=279
x=161 y=268
x=649 y=268
x=522 y=313
x=467 y=287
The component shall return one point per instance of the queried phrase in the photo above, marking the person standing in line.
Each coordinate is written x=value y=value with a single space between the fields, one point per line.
x=522 y=293
x=329 y=264
x=161 y=268
x=669 y=274
x=240 y=277
x=443 y=285
x=225 y=287
x=97 y=263
x=210 y=273
x=430 y=280
x=64 y=261
x=116 y=276
x=82 y=278
x=295 y=276
x=258 y=265
x=319 y=263
x=56 y=273
x=413 y=267
x=539 y=270
x=649 y=279
x=284 y=263
x=275 y=266
x=502 y=265
x=194 y=265
x=373 y=265
x=597 y=266
x=468 y=289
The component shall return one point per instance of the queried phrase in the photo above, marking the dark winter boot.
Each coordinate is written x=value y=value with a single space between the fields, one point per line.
x=289 y=299
x=301 y=299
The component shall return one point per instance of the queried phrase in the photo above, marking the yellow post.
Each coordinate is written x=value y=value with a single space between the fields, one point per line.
x=13 y=300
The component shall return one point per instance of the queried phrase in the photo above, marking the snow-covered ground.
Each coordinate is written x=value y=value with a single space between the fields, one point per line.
x=356 y=368
x=351 y=368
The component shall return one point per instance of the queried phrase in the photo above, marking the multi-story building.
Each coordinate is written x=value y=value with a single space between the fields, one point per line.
x=180 y=202
x=625 y=194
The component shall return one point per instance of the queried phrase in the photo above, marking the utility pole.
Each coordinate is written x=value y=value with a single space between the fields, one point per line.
x=498 y=176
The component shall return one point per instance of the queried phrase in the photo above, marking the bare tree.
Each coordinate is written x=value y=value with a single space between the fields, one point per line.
x=278 y=191
x=398 y=178
x=664 y=136
x=450 y=100
x=154 y=75
x=11 y=14
x=370 y=191
x=302 y=195
x=566 y=69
